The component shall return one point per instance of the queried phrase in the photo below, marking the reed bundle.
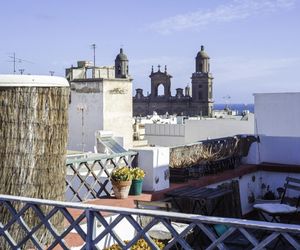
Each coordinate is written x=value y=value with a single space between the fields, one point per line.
x=33 y=139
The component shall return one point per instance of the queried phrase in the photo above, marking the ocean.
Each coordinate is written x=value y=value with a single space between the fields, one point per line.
x=239 y=107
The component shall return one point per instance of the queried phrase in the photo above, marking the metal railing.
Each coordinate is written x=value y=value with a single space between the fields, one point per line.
x=92 y=227
x=88 y=178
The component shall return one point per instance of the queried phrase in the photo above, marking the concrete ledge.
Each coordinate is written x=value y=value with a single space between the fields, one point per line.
x=275 y=167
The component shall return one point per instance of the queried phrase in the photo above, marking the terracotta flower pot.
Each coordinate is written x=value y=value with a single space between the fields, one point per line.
x=121 y=189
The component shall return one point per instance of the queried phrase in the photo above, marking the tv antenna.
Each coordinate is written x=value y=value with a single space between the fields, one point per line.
x=93 y=46
x=82 y=108
x=227 y=101
x=16 y=60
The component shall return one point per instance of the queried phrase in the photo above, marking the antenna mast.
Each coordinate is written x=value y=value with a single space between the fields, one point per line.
x=16 y=60
x=94 y=54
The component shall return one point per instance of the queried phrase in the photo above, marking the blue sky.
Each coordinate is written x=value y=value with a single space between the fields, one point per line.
x=253 y=44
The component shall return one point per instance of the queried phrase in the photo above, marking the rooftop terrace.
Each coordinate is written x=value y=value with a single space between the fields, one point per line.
x=100 y=219
x=92 y=218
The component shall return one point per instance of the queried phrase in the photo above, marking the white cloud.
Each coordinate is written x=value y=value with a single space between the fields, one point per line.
x=236 y=10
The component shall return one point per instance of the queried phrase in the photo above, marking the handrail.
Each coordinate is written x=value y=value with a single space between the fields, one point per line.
x=92 y=215
x=100 y=157
x=148 y=212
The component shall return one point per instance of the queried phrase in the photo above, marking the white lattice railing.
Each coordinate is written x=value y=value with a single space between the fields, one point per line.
x=88 y=178
x=94 y=228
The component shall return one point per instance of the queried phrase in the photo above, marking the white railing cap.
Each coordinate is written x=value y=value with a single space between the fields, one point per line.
x=32 y=81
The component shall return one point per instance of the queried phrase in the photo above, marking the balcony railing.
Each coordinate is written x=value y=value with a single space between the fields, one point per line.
x=94 y=229
x=88 y=178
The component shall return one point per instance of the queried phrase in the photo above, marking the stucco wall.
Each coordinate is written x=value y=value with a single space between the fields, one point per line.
x=196 y=130
x=117 y=105
x=203 y=129
x=275 y=149
x=107 y=106
x=277 y=114
x=277 y=122
x=93 y=119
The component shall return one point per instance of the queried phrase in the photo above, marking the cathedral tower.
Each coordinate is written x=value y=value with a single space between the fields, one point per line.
x=202 y=83
x=121 y=65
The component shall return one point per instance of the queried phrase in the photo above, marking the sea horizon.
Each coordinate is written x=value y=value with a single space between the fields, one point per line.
x=239 y=107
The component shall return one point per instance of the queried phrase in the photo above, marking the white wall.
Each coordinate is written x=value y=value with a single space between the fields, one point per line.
x=155 y=162
x=165 y=134
x=283 y=150
x=107 y=106
x=277 y=114
x=252 y=183
x=117 y=114
x=196 y=130
x=277 y=122
x=93 y=120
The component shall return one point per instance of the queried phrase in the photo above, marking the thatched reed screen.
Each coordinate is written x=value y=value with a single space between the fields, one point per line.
x=33 y=139
x=210 y=150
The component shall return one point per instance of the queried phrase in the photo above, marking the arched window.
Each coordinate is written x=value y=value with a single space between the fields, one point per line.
x=160 y=90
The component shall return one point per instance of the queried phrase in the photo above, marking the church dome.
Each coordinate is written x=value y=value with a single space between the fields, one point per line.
x=121 y=56
x=202 y=53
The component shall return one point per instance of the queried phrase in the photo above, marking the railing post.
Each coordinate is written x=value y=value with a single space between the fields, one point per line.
x=90 y=229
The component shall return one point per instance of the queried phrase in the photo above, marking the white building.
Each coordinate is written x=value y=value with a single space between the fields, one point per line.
x=102 y=101
x=193 y=130
x=277 y=123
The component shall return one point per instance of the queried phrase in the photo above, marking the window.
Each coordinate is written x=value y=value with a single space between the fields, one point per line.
x=161 y=90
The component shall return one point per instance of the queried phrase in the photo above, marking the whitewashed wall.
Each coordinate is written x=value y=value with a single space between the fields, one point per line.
x=195 y=130
x=107 y=106
x=117 y=105
x=277 y=114
x=203 y=129
x=93 y=120
x=251 y=184
x=165 y=134
x=277 y=122
x=155 y=162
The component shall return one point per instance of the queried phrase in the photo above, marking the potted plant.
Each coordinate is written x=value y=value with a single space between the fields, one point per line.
x=268 y=195
x=121 y=179
x=138 y=175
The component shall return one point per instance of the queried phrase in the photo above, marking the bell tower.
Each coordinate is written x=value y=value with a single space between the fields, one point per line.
x=121 y=65
x=202 y=61
x=202 y=84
